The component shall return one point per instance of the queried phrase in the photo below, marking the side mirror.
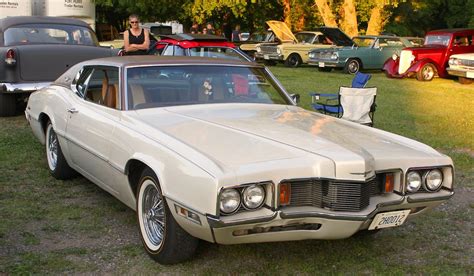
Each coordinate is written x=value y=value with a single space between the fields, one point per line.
x=295 y=98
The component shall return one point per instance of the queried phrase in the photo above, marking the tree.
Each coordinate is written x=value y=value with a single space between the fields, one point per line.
x=348 y=18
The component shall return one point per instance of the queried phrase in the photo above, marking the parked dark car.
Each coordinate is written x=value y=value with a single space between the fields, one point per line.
x=36 y=50
x=198 y=45
x=432 y=58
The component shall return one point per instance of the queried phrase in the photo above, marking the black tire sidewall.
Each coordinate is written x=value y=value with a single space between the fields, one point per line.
x=62 y=170
x=8 y=105
x=293 y=60
x=420 y=76
x=347 y=67
x=177 y=245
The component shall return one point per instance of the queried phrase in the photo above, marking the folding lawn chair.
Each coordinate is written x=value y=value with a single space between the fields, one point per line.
x=356 y=103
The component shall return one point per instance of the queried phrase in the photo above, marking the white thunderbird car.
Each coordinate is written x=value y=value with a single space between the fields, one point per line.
x=216 y=150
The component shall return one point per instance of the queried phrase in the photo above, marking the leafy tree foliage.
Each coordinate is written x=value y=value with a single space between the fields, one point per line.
x=416 y=17
x=402 y=17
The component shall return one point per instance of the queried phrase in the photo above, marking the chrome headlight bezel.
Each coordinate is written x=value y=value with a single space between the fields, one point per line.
x=278 y=51
x=258 y=49
x=334 y=56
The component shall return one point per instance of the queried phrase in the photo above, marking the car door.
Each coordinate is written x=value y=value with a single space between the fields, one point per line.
x=93 y=116
x=383 y=49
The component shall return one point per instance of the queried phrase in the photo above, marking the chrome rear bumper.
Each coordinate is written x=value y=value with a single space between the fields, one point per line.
x=22 y=87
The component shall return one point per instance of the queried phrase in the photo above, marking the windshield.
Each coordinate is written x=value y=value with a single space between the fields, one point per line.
x=305 y=37
x=155 y=86
x=49 y=34
x=363 y=41
x=216 y=52
x=437 y=39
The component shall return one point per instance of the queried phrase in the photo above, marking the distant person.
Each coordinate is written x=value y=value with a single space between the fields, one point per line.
x=194 y=28
x=236 y=35
x=210 y=29
x=205 y=31
x=136 y=40
x=227 y=27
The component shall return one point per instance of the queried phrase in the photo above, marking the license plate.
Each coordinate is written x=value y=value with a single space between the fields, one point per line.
x=389 y=219
x=321 y=64
x=470 y=74
x=266 y=57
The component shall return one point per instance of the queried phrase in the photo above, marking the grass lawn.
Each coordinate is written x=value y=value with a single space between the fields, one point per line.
x=70 y=227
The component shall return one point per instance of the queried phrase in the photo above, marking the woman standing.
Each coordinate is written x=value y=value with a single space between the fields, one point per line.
x=136 y=39
x=236 y=36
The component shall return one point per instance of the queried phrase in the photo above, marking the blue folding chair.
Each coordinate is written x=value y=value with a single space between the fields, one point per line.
x=329 y=103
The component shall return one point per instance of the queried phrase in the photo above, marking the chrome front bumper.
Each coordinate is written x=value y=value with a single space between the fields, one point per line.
x=266 y=56
x=22 y=87
x=297 y=223
x=327 y=63
x=461 y=73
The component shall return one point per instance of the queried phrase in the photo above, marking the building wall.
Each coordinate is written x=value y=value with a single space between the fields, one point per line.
x=80 y=9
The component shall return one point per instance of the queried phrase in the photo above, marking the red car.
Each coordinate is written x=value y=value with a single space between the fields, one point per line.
x=432 y=58
x=198 y=45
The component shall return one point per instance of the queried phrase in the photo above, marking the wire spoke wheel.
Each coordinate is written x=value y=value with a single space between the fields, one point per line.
x=52 y=148
x=153 y=214
x=164 y=240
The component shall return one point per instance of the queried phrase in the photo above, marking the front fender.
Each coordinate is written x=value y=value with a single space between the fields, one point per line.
x=390 y=67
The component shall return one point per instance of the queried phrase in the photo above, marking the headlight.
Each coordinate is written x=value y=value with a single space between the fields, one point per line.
x=454 y=61
x=279 y=51
x=311 y=55
x=433 y=180
x=335 y=55
x=229 y=201
x=413 y=181
x=394 y=56
x=258 y=49
x=253 y=196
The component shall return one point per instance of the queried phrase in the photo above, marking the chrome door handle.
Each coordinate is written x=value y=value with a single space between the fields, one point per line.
x=72 y=110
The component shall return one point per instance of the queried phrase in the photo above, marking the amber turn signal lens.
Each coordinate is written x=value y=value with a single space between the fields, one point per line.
x=389 y=182
x=285 y=193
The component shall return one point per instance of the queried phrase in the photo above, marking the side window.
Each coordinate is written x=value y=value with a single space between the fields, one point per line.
x=169 y=51
x=462 y=41
x=102 y=87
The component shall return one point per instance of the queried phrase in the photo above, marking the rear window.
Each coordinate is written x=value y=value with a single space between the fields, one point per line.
x=49 y=34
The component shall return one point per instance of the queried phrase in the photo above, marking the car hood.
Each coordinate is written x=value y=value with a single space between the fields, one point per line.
x=336 y=35
x=427 y=48
x=281 y=31
x=233 y=135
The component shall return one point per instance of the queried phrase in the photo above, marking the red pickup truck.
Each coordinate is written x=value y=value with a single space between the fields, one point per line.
x=432 y=58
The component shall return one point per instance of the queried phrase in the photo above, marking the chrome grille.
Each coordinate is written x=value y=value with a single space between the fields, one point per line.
x=266 y=49
x=323 y=55
x=466 y=62
x=332 y=195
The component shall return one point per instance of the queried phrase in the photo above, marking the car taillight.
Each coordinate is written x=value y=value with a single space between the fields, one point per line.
x=10 y=57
